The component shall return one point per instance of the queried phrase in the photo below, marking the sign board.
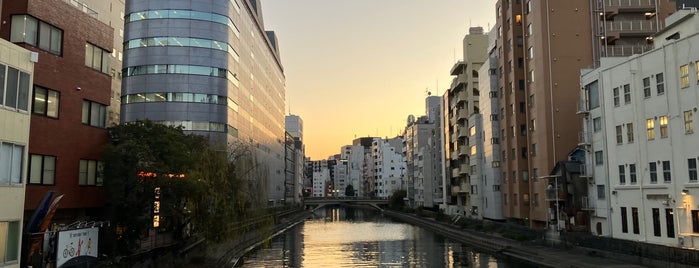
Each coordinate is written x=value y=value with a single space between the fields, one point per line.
x=76 y=243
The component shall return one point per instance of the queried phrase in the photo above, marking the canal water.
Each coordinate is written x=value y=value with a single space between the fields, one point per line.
x=346 y=237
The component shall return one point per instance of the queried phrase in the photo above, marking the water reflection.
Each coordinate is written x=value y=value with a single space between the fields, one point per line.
x=345 y=237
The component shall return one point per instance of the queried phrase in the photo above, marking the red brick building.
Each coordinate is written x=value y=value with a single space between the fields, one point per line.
x=70 y=95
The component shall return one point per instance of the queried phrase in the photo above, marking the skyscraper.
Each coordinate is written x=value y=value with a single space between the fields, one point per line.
x=212 y=68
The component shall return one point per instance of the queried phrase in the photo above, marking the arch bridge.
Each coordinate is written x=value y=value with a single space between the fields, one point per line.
x=315 y=203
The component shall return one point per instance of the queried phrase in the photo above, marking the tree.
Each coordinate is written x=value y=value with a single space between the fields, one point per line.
x=397 y=199
x=349 y=190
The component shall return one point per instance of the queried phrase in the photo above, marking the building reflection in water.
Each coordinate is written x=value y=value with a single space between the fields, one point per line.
x=346 y=237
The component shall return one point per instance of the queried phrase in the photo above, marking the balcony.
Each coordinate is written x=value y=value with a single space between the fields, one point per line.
x=463 y=114
x=583 y=107
x=454 y=172
x=463 y=150
x=458 y=68
x=586 y=203
x=552 y=196
x=464 y=169
x=629 y=5
x=584 y=138
x=455 y=190
x=625 y=50
x=462 y=96
x=630 y=28
x=584 y=173
x=463 y=132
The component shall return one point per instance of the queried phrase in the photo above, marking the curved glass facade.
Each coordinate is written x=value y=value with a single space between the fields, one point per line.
x=175 y=72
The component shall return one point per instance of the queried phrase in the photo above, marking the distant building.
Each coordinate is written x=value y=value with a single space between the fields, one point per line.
x=295 y=162
x=321 y=178
x=389 y=166
x=422 y=151
x=16 y=73
x=353 y=157
x=639 y=128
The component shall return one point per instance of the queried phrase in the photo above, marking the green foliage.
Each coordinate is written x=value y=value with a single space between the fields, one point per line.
x=397 y=201
x=221 y=186
x=349 y=190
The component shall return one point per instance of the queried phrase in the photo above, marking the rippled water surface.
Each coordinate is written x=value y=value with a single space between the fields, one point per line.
x=345 y=237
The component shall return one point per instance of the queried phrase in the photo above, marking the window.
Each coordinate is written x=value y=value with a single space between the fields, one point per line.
x=629 y=132
x=695 y=221
x=472 y=131
x=634 y=218
x=15 y=93
x=94 y=114
x=666 y=171
x=624 y=221
x=653 y=169
x=535 y=200
x=599 y=158
x=688 y=122
x=525 y=199
x=96 y=58
x=522 y=107
x=632 y=173
x=528 y=7
x=496 y=164
x=615 y=91
x=523 y=130
x=520 y=40
x=524 y=152
x=660 y=83
x=27 y=29
x=535 y=173
x=663 y=126
x=9 y=242
x=532 y=125
x=494 y=141
x=627 y=94
x=533 y=149
x=646 y=87
x=46 y=102
x=42 y=169
x=473 y=150
x=622 y=175
x=90 y=172
x=619 y=137
x=670 y=222
x=532 y=101
x=597 y=124
x=601 y=194
x=656 y=221
x=493 y=94
x=530 y=76
x=474 y=189
x=11 y=156
x=530 y=53
x=592 y=91
x=692 y=168
x=650 y=128
x=684 y=76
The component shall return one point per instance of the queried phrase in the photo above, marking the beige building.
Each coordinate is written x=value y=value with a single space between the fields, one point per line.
x=460 y=102
x=16 y=73
x=541 y=55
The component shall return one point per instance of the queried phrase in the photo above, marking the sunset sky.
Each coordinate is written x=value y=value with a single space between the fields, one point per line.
x=357 y=68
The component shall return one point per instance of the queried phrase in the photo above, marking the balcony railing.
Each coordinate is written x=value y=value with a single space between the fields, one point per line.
x=464 y=169
x=629 y=3
x=584 y=173
x=584 y=138
x=583 y=107
x=82 y=7
x=552 y=196
x=625 y=50
x=586 y=203
x=631 y=26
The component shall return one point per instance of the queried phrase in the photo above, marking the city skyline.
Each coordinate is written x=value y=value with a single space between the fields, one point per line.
x=345 y=87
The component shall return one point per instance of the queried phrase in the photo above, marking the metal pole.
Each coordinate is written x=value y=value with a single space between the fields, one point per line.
x=558 y=214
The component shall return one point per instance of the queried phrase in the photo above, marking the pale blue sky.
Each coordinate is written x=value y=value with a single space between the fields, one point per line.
x=360 y=67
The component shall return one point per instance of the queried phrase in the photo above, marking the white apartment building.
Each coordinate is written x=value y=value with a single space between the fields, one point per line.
x=16 y=73
x=484 y=143
x=353 y=155
x=639 y=129
x=321 y=178
x=389 y=165
x=423 y=160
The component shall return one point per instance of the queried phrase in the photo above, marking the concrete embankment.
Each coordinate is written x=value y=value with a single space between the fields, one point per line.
x=230 y=253
x=538 y=255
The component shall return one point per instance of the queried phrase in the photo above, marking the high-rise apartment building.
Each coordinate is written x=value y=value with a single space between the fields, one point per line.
x=16 y=71
x=295 y=162
x=460 y=102
x=389 y=166
x=423 y=154
x=640 y=123
x=484 y=142
x=71 y=91
x=223 y=79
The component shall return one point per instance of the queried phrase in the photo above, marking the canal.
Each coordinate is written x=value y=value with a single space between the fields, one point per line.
x=346 y=237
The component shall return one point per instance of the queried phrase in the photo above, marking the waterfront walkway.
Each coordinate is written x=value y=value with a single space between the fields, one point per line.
x=539 y=255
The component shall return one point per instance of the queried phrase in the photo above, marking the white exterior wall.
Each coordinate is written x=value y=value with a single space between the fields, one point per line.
x=14 y=127
x=321 y=175
x=678 y=147
x=340 y=177
x=390 y=166
x=354 y=155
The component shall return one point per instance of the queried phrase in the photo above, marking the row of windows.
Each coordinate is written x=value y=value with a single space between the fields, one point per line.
x=662 y=122
x=180 y=97
x=182 y=14
x=14 y=88
x=27 y=29
x=669 y=221
x=94 y=114
x=181 y=42
x=42 y=170
x=653 y=172
x=46 y=102
x=181 y=69
x=525 y=199
x=197 y=125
